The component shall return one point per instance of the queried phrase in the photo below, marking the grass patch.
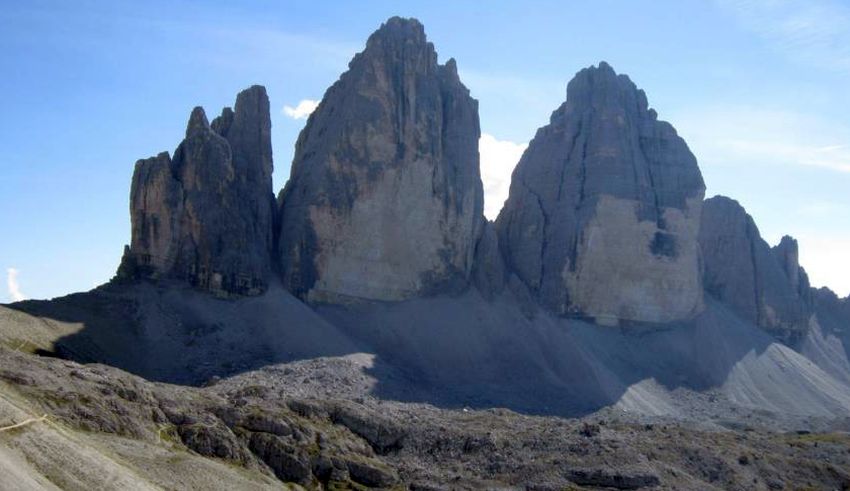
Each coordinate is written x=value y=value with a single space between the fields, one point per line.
x=168 y=434
x=834 y=438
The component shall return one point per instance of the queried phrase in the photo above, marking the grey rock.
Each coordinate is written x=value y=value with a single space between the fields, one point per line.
x=610 y=478
x=604 y=208
x=762 y=285
x=371 y=473
x=787 y=252
x=290 y=464
x=382 y=435
x=829 y=334
x=385 y=198
x=488 y=270
x=206 y=216
x=833 y=312
x=264 y=423
x=212 y=441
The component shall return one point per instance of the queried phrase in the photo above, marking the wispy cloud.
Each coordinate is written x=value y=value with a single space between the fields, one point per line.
x=12 y=285
x=498 y=159
x=811 y=31
x=737 y=135
x=302 y=109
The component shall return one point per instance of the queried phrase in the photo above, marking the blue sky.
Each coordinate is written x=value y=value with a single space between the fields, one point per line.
x=760 y=89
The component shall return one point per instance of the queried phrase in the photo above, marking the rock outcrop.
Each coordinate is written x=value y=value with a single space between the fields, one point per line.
x=206 y=216
x=762 y=285
x=787 y=253
x=385 y=198
x=604 y=209
x=833 y=312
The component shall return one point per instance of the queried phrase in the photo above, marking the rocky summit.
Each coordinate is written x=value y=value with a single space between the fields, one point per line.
x=370 y=329
x=385 y=200
x=206 y=216
x=604 y=209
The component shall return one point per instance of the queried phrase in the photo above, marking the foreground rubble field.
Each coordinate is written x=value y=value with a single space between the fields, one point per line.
x=258 y=431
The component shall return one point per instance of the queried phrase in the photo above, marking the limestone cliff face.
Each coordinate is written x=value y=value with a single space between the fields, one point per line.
x=763 y=285
x=206 y=216
x=385 y=198
x=604 y=208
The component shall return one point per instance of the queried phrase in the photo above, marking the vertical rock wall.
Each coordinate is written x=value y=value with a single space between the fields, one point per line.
x=206 y=216
x=604 y=209
x=385 y=198
x=764 y=286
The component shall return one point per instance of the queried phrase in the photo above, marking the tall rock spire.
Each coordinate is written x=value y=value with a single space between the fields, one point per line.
x=604 y=208
x=206 y=216
x=385 y=198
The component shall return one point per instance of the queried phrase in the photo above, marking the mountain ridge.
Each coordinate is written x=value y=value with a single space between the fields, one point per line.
x=370 y=327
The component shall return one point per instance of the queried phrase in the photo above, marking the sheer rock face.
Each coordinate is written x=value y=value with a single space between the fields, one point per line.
x=488 y=271
x=787 y=253
x=206 y=216
x=763 y=285
x=385 y=198
x=833 y=313
x=604 y=209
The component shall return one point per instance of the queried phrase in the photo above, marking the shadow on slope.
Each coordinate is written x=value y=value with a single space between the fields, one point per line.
x=448 y=352
x=178 y=335
x=466 y=351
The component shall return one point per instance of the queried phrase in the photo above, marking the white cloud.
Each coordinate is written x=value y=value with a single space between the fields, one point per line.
x=302 y=110
x=498 y=159
x=14 y=288
x=815 y=32
x=826 y=260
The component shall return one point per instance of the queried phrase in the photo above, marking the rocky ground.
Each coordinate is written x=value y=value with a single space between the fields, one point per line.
x=304 y=424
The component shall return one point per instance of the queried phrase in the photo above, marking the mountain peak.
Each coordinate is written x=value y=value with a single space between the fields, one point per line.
x=205 y=216
x=400 y=28
x=601 y=86
x=197 y=122
x=399 y=40
x=604 y=173
x=396 y=124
